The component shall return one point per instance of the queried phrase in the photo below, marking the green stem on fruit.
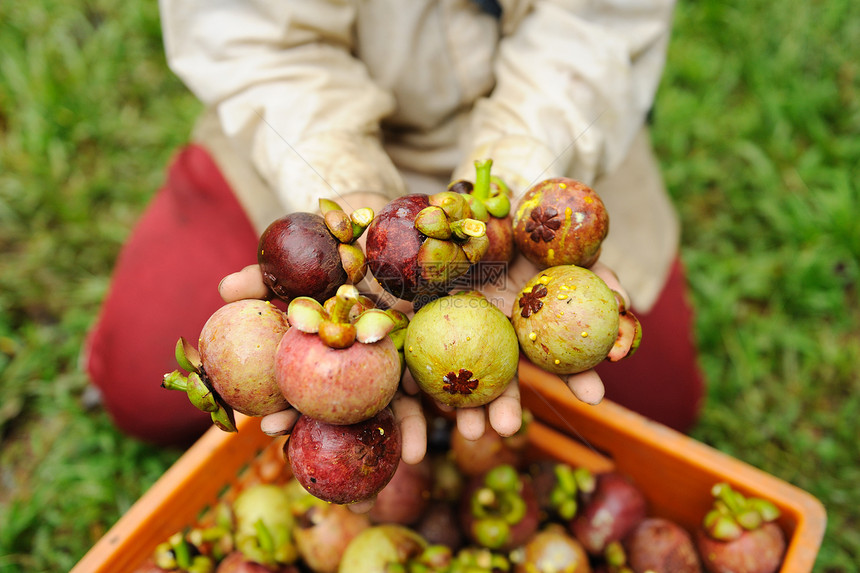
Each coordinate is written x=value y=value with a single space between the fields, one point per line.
x=345 y=299
x=481 y=189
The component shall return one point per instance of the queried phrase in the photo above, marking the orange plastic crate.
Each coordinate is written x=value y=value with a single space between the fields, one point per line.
x=674 y=471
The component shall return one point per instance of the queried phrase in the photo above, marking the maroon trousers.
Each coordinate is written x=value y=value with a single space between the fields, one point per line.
x=195 y=232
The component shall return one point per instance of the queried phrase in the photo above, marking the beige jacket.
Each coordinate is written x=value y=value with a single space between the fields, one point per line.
x=313 y=98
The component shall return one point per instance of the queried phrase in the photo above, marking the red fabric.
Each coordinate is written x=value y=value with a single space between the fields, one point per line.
x=164 y=286
x=662 y=379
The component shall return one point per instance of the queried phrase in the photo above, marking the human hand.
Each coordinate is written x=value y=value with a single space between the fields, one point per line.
x=586 y=386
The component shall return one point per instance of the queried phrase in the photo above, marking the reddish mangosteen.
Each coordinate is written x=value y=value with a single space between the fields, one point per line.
x=461 y=350
x=549 y=551
x=560 y=221
x=406 y=496
x=440 y=525
x=608 y=513
x=659 y=544
x=740 y=534
x=336 y=368
x=345 y=464
x=489 y=200
x=567 y=320
x=234 y=368
x=305 y=254
x=498 y=510
x=418 y=244
x=322 y=530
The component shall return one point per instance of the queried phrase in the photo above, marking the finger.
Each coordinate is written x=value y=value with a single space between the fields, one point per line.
x=587 y=386
x=506 y=412
x=408 y=383
x=362 y=506
x=279 y=423
x=413 y=428
x=611 y=280
x=471 y=422
x=247 y=283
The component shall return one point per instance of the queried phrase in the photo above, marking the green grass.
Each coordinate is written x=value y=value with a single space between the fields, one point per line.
x=757 y=125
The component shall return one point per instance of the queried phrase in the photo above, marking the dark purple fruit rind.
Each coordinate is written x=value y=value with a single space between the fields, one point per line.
x=298 y=256
x=392 y=247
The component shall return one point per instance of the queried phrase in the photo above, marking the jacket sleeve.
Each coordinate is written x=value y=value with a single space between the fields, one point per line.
x=287 y=91
x=574 y=82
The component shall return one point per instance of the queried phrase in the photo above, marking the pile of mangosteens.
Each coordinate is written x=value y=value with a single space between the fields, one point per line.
x=467 y=513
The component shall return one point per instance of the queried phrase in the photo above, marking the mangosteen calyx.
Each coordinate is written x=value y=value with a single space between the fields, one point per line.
x=198 y=387
x=336 y=324
x=733 y=513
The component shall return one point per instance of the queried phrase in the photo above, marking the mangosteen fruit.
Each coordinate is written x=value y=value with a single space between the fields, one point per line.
x=551 y=550
x=418 y=244
x=560 y=221
x=406 y=496
x=336 y=368
x=440 y=525
x=322 y=530
x=306 y=254
x=608 y=513
x=660 y=544
x=345 y=464
x=461 y=350
x=234 y=365
x=567 y=320
x=740 y=534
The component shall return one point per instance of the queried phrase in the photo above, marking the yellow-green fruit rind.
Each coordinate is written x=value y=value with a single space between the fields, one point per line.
x=461 y=350
x=571 y=327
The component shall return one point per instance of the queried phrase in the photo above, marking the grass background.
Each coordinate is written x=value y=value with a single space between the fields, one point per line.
x=757 y=125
